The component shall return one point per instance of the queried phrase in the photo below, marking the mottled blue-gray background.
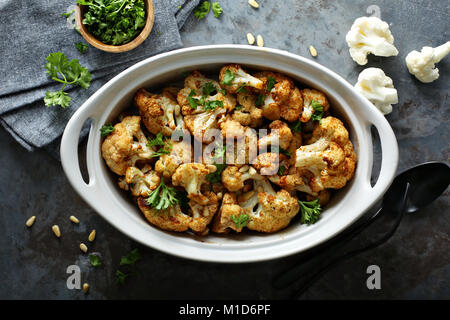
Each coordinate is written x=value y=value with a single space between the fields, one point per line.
x=415 y=263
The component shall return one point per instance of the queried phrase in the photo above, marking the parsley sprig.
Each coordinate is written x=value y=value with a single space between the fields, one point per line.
x=296 y=127
x=241 y=220
x=131 y=258
x=219 y=156
x=203 y=9
x=161 y=141
x=162 y=197
x=318 y=111
x=95 y=260
x=228 y=78
x=82 y=47
x=270 y=83
x=310 y=211
x=60 y=69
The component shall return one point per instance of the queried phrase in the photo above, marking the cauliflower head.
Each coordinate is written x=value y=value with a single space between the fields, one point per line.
x=167 y=164
x=269 y=211
x=140 y=182
x=247 y=114
x=192 y=176
x=329 y=156
x=202 y=214
x=223 y=221
x=119 y=149
x=370 y=35
x=422 y=64
x=377 y=88
x=314 y=102
x=233 y=178
x=280 y=135
x=232 y=77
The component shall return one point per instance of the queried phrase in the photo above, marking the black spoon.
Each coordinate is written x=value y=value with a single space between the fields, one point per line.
x=411 y=190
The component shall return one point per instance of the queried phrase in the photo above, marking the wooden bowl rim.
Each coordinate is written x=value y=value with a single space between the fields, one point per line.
x=149 y=21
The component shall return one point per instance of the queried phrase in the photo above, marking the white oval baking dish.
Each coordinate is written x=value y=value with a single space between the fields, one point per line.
x=102 y=193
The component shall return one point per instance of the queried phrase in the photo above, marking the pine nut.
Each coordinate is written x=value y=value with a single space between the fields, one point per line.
x=253 y=3
x=56 y=231
x=313 y=51
x=30 y=221
x=260 y=41
x=250 y=38
x=83 y=247
x=74 y=219
x=92 y=235
x=244 y=168
x=85 y=287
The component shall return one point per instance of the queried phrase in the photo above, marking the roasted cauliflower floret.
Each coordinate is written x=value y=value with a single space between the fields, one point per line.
x=314 y=102
x=171 y=219
x=229 y=210
x=294 y=180
x=232 y=77
x=201 y=125
x=280 y=135
x=167 y=163
x=269 y=211
x=140 y=182
x=232 y=129
x=268 y=164
x=159 y=113
x=329 y=156
x=119 y=149
x=293 y=106
x=233 y=178
x=192 y=176
x=202 y=215
x=247 y=114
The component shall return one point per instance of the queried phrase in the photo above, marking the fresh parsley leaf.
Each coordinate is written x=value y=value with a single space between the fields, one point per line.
x=270 y=83
x=310 y=211
x=166 y=146
x=219 y=156
x=223 y=91
x=120 y=277
x=212 y=105
x=260 y=100
x=217 y=9
x=82 y=47
x=162 y=197
x=318 y=111
x=209 y=88
x=131 y=258
x=106 y=130
x=60 y=69
x=114 y=22
x=157 y=141
x=241 y=220
x=281 y=170
x=67 y=14
x=95 y=260
x=228 y=78
x=202 y=10
x=242 y=89
x=238 y=107
x=193 y=102
x=297 y=127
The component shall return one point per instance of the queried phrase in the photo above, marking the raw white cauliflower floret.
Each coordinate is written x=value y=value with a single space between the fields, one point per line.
x=159 y=113
x=422 y=64
x=269 y=211
x=140 y=182
x=232 y=77
x=192 y=176
x=119 y=149
x=377 y=88
x=370 y=35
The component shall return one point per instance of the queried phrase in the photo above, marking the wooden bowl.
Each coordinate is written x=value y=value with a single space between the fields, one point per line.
x=150 y=18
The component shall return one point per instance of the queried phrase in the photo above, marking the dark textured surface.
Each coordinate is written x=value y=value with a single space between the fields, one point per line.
x=415 y=263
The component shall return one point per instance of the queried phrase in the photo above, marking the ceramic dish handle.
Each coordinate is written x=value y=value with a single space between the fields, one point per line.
x=389 y=149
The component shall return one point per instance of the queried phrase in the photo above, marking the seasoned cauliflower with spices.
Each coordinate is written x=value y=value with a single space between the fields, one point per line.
x=139 y=182
x=120 y=150
x=232 y=77
x=280 y=135
x=315 y=103
x=202 y=214
x=246 y=113
x=233 y=178
x=182 y=152
x=230 y=209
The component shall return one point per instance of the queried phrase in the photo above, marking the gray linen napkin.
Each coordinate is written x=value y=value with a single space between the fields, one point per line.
x=30 y=30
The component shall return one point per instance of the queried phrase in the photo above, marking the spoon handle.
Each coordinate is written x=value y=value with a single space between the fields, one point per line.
x=335 y=261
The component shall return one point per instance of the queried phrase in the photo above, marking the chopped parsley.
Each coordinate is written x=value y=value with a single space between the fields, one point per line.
x=106 y=130
x=242 y=89
x=297 y=127
x=285 y=152
x=157 y=141
x=318 y=111
x=212 y=105
x=310 y=211
x=120 y=277
x=202 y=10
x=228 y=78
x=95 y=260
x=193 y=102
x=216 y=176
x=82 y=47
x=131 y=258
x=241 y=220
x=223 y=91
x=271 y=83
x=281 y=170
x=260 y=100
x=162 y=197
x=217 y=9
x=209 y=88
x=238 y=107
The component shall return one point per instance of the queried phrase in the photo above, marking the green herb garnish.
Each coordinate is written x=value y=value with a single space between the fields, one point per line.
x=95 y=260
x=120 y=277
x=67 y=14
x=228 y=78
x=297 y=127
x=285 y=152
x=270 y=83
x=212 y=105
x=240 y=221
x=310 y=211
x=130 y=258
x=193 y=102
x=238 y=107
x=202 y=10
x=208 y=88
x=162 y=197
x=223 y=91
x=60 y=69
x=114 y=22
x=217 y=9
x=260 y=100
x=157 y=141
x=281 y=170
x=160 y=141
x=82 y=47
x=219 y=156
x=318 y=111
x=242 y=89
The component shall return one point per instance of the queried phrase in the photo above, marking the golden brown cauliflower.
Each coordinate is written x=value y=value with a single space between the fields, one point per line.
x=329 y=156
x=232 y=77
x=311 y=98
x=223 y=221
x=201 y=214
x=232 y=129
x=243 y=151
x=280 y=135
x=159 y=113
x=119 y=149
x=171 y=219
x=140 y=182
x=292 y=108
x=269 y=211
x=233 y=178
x=247 y=114
x=182 y=152
x=192 y=176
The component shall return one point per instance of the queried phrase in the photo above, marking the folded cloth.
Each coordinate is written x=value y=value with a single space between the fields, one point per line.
x=32 y=30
